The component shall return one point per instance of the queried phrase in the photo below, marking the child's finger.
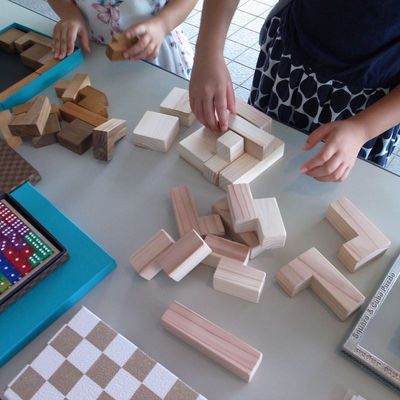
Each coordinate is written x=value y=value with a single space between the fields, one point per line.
x=71 y=37
x=345 y=174
x=316 y=136
x=221 y=110
x=327 y=168
x=230 y=97
x=63 y=41
x=209 y=114
x=56 y=41
x=319 y=159
x=197 y=107
x=134 y=51
x=135 y=31
x=84 y=38
x=335 y=176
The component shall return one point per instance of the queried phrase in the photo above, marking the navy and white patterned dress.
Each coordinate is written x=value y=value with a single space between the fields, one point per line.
x=323 y=61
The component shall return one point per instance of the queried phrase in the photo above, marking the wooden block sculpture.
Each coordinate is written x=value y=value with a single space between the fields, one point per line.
x=105 y=136
x=8 y=137
x=177 y=104
x=312 y=269
x=8 y=38
x=230 y=146
x=73 y=87
x=364 y=240
x=221 y=346
x=261 y=215
x=156 y=131
x=144 y=259
x=76 y=136
x=187 y=217
x=119 y=44
x=223 y=248
x=239 y=280
x=183 y=256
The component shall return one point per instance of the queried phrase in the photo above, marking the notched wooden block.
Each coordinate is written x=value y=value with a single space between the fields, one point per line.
x=105 y=137
x=8 y=137
x=213 y=167
x=70 y=111
x=8 y=38
x=177 y=104
x=312 y=270
x=94 y=100
x=76 y=136
x=36 y=56
x=74 y=86
x=31 y=38
x=119 y=44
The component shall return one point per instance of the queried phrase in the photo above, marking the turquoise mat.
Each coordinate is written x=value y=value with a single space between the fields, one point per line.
x=87 y=266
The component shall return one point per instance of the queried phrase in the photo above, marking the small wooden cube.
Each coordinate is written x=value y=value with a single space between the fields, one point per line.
x=8 y=38
x=76 y=136
x=230 y=146
x=156 y=131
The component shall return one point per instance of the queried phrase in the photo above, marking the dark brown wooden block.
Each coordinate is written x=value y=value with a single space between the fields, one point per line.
x=70 y=111
x=93 y=100
x=44 y=140
x=36 y=56
x=8 y=38
x=76 y=136
x=117 y=47
x=29 y=39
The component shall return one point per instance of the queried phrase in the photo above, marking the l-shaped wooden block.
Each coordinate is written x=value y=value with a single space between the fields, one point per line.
x=177 y=104
x=364 y=240
x=312 y=269
x=211 y=340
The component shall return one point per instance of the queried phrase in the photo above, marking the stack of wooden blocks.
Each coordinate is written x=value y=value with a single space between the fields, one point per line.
x=84 y=111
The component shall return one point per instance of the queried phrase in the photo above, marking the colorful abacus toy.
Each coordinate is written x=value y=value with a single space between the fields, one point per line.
x=27 y=251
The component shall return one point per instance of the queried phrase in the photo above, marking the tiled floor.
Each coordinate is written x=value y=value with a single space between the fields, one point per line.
x=241 y=48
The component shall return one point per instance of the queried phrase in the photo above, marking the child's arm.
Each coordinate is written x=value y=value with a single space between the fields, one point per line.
x=211 y=91
x=344 y=139
x=72 y=24
x=151 y=32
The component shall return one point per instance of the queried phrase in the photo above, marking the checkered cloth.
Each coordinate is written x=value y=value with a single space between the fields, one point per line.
x=88 y=360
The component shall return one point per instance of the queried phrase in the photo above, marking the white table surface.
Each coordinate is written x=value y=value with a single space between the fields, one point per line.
x=123 y=202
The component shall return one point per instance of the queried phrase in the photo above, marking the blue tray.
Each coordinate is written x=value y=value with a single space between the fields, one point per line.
x=38 y=308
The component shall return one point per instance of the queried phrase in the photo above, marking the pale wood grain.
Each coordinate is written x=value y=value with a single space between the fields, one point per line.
x=213 y=167
x=230 y=146
x=177 y=103
x=74 y=86
x=254 y=116
x=106 y=135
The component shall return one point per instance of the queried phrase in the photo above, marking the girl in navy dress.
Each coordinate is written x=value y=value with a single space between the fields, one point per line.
x=329 y=68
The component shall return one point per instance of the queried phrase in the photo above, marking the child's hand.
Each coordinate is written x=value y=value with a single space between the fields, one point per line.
x=211 y=93
x=333 y=163
x=64 y=36
x=150 y=34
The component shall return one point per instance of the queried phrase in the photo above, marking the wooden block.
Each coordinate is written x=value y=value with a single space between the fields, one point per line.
x=119 y=44
x=105 y=137
x=224 y=248
x=213 y=167
x=177 y=104
x=230 y=146
x=76 y=136
x=74 y=86
x=364 y=239
x=90 y=91
x=53 y=125
x=17 y=86
x=8 y=137
x=31 y=38
x=183 y=256
x=22 y=108
x=198 y=148
x=47 y=66
x=257 y=142
x=60 y=87
x=234 y=278
x=34 y=121
x=211 y=224
x=143 y=260
x=312 y=269
x=70 y=111
x=156 y=131
x=94 y=100
x=36 y=56
x=8 y=38
x=44 y=140
x=254 y=116
x=221 y=346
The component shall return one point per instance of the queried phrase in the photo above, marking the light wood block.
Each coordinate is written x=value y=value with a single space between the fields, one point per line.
x=36 y=56
x=60 y=87
x=250 y=239
x=156 y=131
x=211 y=224
x=30 y=39
x=76 y=136
x=33 y=122
x=213 y=167
x=312 y=270
x=221 y=346
x=105 y=137
x=8 y=38
x=8 y=137
x=48 y=65
x=364 y=239
x=183 y=256
x=119 y=44
x=254 y=116
x=198 y=148
x=257 y=142
x=177 y=104
x=224 y=248
x=22 y=108
x=230 y=146
x=234 y=278
x=74 y=86
x=70 y=111
x=17 y=86
x=143 y=260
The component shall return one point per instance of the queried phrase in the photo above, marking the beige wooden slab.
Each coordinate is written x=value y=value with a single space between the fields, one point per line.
x=213 y=167
x=71 y=111
x=312 y=270
x=254 y=116
x=183 y=256
x=239 y=280
x=74 y=86
x=8 y=137
x=177 y=103
x=211 y=224
x=143 y=260
x=221 y=346
x=364 y=239
x=230 y=146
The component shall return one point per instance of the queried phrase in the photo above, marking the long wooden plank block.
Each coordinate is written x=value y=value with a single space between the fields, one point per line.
x=70 y=111
x=252 y=115
x=213 y=341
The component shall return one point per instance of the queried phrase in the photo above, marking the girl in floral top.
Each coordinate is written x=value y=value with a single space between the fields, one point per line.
x=154 y=22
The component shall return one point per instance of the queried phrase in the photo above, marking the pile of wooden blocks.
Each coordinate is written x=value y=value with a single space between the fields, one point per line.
x=85 y=117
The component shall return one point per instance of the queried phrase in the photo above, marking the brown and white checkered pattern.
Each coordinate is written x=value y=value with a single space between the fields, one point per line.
x=88 y=360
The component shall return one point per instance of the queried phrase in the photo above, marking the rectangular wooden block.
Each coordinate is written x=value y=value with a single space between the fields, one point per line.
x=254 y=116
x=177 y=103
x=29 y=39
x=211 y=340
x=74 y=86
x=76 y=136
x=8 y=137
x=36 y=56
x=143 y=260
x=312 y=269
x=230 y=146
x=183 y=256
x=60 y=87
x=224 y=248
x=119 y=44
x=70 y=111
x=156 y=131
x=234 y=278
x=17 y=86
x=213 y=167
x=94 y=100
x=8 y=38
